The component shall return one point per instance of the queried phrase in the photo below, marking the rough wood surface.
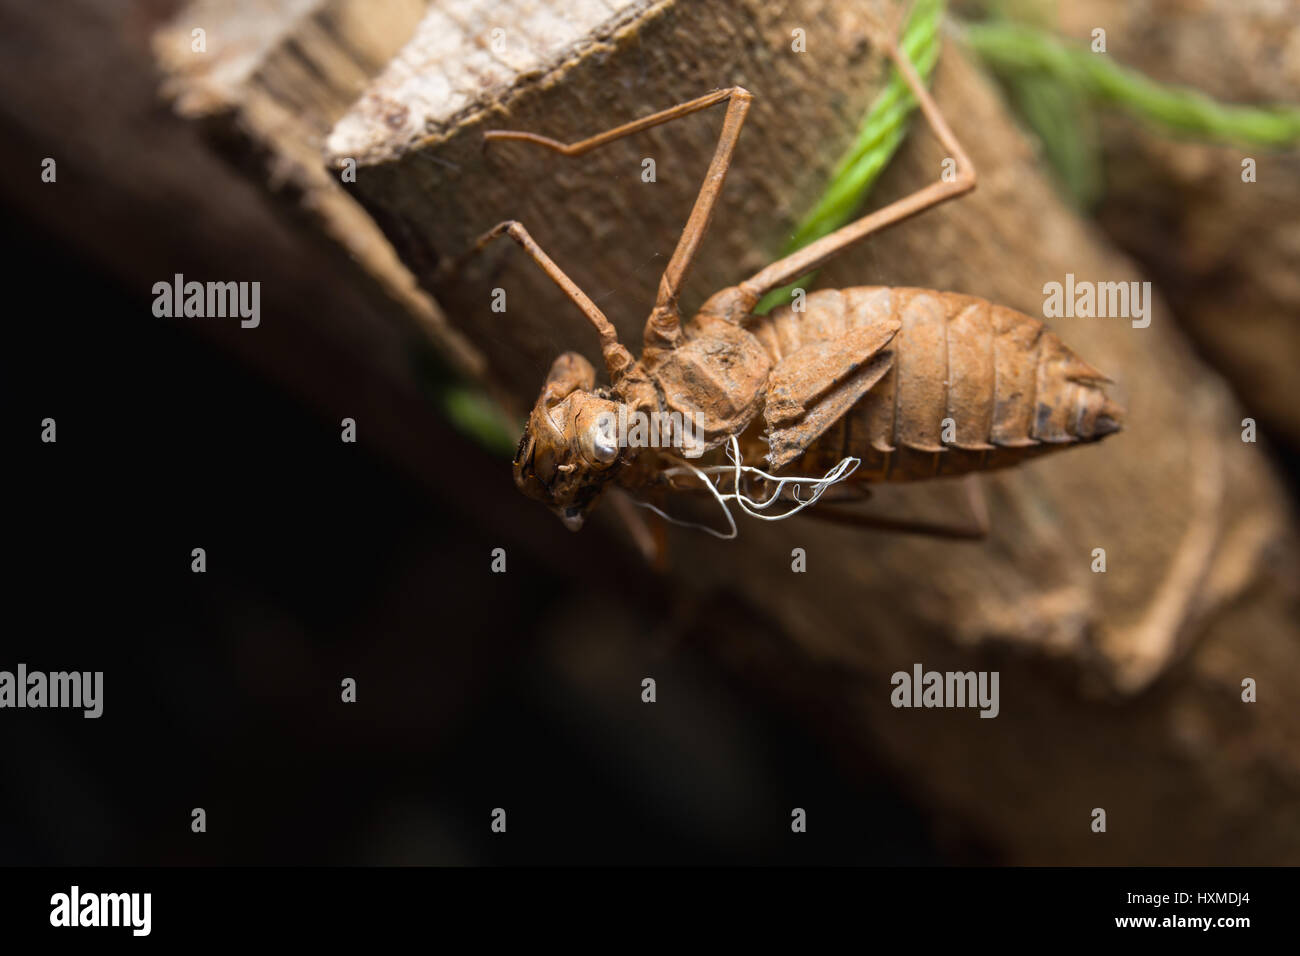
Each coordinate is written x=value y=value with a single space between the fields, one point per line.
x=141 y=195
x=272 y=80
x=1121 y=689
x=1226 y=252
x=428 y=179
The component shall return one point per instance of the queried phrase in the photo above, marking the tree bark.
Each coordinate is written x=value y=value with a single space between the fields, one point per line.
x=270 y=82
x=1225 y=251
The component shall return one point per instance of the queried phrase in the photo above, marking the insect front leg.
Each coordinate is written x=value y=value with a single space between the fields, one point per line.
x=646 y=529
x=617 y=358
x=663 y=329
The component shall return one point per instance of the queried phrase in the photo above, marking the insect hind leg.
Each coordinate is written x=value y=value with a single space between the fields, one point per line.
x=816 y=254
x=975 y=528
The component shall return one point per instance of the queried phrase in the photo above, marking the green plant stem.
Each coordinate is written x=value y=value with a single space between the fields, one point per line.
x=1014 y=48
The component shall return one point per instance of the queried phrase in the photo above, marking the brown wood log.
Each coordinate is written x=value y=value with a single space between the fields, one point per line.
x=1121 y=689
x=142 y=194
x=1226 y=252
x=271 y=80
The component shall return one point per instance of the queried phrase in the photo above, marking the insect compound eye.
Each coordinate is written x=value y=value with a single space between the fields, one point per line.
x=603 y=440
x=596 y=430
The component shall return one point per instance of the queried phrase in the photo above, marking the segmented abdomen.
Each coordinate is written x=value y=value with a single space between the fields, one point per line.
x=973 y=385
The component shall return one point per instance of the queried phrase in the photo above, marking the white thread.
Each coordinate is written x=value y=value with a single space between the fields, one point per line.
x=737 y=469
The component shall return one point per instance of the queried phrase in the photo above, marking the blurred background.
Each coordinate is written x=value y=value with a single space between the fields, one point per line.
x=328 y=560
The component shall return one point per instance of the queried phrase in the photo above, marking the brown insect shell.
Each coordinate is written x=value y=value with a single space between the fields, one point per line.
x=557 y=462
x=715 y=376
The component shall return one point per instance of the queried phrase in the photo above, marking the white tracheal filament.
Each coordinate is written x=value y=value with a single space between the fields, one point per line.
x=738 y=470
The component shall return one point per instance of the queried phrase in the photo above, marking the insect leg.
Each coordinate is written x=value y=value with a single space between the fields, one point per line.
x=816 y=254
x=648 y=532
x=975 y=529
x=663 y=329
x=617 y=358
x=627 y=129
